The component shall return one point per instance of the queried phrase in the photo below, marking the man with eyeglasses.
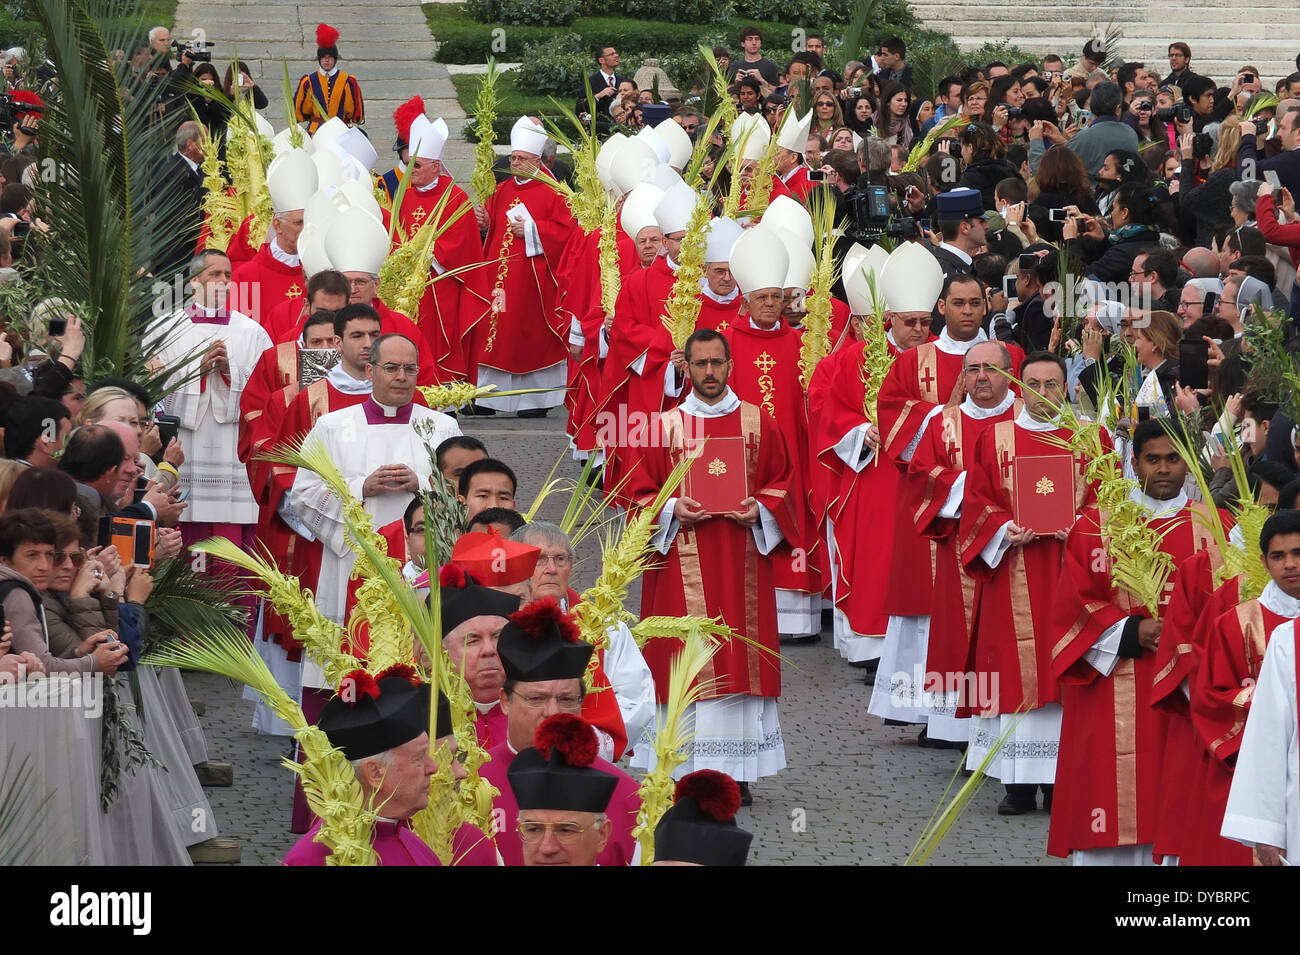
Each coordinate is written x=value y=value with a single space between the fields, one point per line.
x=623 y=697
x=544 y=666
x=717 y=561
x=1017 y=569
x=562 y=796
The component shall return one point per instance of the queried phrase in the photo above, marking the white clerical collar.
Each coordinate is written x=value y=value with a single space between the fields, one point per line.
x=1157 y=508
x=1275 y=600
x=949 y=345
x=956 y=251
x=281 y=256
x=390 y=411
x=340 y=379
x=714 y=296
x=759 y=328
x=671 y=264
x=1030 y=423
x=333 y=72
x=889 y=337
x=428 y=187
x=971 y=410
x=485 y=707
x=694 y=406
x=786 y=177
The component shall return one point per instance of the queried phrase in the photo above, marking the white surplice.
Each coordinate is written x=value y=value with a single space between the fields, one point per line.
x=209 y=411
x=1264 y=802
x=358 y=448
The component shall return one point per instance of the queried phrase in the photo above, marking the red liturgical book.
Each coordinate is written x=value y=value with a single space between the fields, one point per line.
x=1043 y=493
x=717 y=478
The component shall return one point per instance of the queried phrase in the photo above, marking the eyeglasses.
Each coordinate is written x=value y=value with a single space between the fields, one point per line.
x=392 y=368
x=559 y=560
x=704 y=364
x=60 y=557
x=985 y=368
x=565 y=701
x=566 y=833
x=362 y=282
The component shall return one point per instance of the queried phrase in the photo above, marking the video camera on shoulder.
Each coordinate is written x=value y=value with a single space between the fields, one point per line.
x=871 y=221
x=198 y=52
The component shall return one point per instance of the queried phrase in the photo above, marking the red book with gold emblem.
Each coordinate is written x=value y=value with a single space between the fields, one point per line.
x=717 y=477
x=1043 y=492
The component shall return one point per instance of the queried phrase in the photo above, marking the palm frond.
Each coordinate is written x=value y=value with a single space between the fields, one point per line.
x=24 y=805
x=185 y=601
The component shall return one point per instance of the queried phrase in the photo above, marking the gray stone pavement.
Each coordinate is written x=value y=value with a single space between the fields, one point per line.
x=855 y=792
x=387 y=46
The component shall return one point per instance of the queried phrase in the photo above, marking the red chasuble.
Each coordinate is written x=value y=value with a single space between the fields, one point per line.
x=1223 y=686
x=1111 y=737
x=259 y=284
x=1011 y=629
x=940 y=459
x=284 y=321
x=1194 y=606
x=451 y=307
x=765 y=372
x=714 y=568
x=259 y=416
x=798 y=183
x=717 y=316
x=527 y=334
x=240 y=248
x=626 y=398
x=860 y=504
x=623 y=807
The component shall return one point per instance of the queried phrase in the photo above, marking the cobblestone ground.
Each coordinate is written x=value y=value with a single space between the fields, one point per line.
x=855 y=792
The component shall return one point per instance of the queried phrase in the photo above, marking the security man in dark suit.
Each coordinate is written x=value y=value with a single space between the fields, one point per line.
x=961 y=218
x=182 y=182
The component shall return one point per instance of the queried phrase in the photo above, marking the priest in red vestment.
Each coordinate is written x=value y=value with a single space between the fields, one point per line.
x=717 y=561
x=274 y=274
x=1224 y=686
x=357 y=244
x=327 y=290
x=452 y=306
x=544 y=662
x=522 y=341
x=791 y=143
x=720 y=299
x=1016 y=568
x=765 y=359
x=1104 y=657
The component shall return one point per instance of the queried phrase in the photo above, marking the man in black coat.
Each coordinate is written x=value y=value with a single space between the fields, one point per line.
x=961 y=218
x=181 y=181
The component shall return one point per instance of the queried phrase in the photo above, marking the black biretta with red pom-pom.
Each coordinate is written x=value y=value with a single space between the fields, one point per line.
x=541 y=643
x=372 y=716
x=700 y=828
x=557 y=774
x=464 y=599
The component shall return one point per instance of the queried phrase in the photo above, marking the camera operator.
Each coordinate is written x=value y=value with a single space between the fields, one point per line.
x=169 y=85
x=24 y=111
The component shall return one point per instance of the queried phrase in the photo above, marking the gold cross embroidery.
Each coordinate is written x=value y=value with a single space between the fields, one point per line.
x=418 y=214
x=765 y=363
x=293 y=291
x=723 y=326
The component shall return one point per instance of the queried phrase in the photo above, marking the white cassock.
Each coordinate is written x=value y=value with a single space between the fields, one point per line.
x=360 y=440
x=633 y=683
x=736 y=734
x=1264 y=802
x=209 y=411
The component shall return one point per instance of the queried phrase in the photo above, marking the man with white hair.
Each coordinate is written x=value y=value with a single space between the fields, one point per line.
x=275 y=273
x=205 y=393
x=522 y=342
x=181 y=180
x=720 y=298
x=451 y=306
x=623 y=697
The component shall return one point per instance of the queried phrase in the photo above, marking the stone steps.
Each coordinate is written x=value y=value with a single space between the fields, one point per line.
x=1223 y=35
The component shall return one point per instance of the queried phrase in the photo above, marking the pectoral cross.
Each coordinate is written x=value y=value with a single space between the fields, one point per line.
x=765 y=363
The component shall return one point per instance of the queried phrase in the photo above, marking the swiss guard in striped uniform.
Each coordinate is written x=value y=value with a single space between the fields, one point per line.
x=390 y=180
x=328 y=88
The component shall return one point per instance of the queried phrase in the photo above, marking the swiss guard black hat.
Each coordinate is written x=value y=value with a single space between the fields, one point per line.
x=557 y=774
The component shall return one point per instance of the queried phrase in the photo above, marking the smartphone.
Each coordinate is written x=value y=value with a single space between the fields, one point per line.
x=169 y=427
x=816 y=175
x=1193 y=365
x=1027 y=261
x=133 y=540
x=183 y=496
x=58 y=326
x=923 y=225
x=1209 y=303
x=1009 y=285
x=142 y=553
x=1270 y=177
x=137 y=495
x=1057 y=215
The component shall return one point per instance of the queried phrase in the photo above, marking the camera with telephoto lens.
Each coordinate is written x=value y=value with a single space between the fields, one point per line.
x=1261 y=126
x=198 y=52
x=1014 y=112
x=1178 y=113
x=1202 y=145
x=46 y=71
x=871 y=221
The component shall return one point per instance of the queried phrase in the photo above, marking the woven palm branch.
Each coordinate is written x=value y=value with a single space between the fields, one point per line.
x=1208 y=517
x=1259 y=103
x=586 y=202
x=673 y=735
x=676 y=628
x=683 y=306
x=1246 y=562
x=406 y=273
x=921 y=151
x=328 y=781
x=816 y=342
x=321 y=637
x=482 y=181
x=725 y=114
x=186 y=601
x=877 y=359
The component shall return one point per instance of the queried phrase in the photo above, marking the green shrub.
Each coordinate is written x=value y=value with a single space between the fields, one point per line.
x=557 y=66
x=679 y=11
x=1004 y=50
x=810 y=13
x=536 y=13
